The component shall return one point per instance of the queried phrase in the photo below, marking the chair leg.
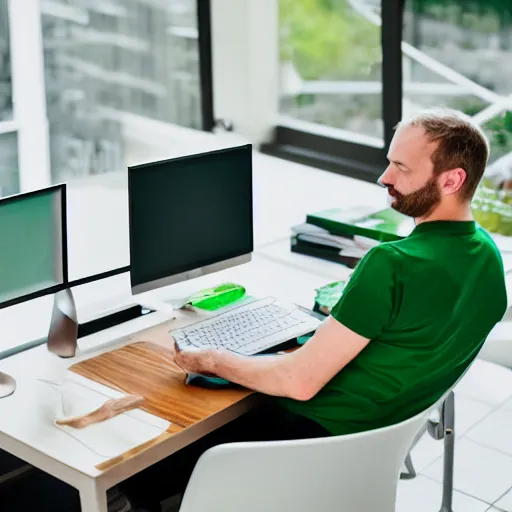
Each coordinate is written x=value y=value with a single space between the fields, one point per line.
x=448 y=419
x=411 y=472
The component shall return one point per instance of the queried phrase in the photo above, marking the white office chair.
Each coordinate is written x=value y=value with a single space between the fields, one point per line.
x=352 y=473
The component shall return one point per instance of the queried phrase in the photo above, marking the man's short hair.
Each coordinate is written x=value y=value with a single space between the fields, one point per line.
x=460 y=144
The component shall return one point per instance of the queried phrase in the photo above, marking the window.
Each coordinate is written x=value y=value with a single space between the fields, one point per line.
x=351 y=69
x=460 y=55
x=106 y=60
x=330 y=67
x=111 y=69
x=339 y=83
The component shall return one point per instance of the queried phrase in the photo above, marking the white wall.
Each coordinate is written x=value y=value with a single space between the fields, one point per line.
x=245 y=56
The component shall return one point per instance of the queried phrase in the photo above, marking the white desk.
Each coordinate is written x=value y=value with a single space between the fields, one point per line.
x=26 y=418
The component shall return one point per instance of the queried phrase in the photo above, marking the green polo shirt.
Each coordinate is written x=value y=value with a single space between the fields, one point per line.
x=427 y=303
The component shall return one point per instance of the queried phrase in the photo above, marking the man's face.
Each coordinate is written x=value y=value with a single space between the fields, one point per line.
x=409 y=178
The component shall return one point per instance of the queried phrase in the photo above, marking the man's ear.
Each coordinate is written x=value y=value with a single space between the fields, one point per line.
x=452 y=181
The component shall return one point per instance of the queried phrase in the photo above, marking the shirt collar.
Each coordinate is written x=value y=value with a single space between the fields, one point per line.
x=447 y=227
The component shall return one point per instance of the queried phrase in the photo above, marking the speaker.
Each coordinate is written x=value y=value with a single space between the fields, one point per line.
x=63 y=333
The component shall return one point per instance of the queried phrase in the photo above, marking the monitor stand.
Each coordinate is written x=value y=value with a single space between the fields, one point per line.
x=7 y=385
x=63 y=334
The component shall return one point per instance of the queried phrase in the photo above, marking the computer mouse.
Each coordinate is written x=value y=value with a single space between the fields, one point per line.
x=218 y=297
x=207 y=381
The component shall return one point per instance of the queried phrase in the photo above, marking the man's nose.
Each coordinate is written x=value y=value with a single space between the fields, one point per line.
x=386 y=178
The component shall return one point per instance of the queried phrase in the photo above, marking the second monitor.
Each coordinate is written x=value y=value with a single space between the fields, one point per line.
x=190 y=216
x=34 y=247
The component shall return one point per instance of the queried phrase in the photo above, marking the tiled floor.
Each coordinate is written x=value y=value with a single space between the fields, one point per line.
x=483 y=455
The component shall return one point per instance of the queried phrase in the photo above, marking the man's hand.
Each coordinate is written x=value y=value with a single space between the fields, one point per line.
x=193 y=360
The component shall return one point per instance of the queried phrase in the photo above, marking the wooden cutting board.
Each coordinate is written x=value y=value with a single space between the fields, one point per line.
x=146 y=368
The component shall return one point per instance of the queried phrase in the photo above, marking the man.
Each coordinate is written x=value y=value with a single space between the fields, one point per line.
x=414 y=313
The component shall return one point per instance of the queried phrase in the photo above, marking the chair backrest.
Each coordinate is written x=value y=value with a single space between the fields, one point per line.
x=351 y=473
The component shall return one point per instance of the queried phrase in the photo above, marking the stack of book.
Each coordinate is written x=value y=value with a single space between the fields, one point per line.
x=346 y=235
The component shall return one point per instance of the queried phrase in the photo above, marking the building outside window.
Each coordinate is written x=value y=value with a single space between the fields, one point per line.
x=459 y=54
x=106 y=59
x=453 y=53
x=330 y=67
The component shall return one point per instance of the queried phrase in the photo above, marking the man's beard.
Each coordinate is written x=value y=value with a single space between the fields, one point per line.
x=416 y=204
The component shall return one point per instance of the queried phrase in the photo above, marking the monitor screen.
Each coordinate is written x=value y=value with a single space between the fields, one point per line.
x=33 y=258
x=189 y=213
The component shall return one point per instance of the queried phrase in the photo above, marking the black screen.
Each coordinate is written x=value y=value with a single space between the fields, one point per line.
x=189 y=212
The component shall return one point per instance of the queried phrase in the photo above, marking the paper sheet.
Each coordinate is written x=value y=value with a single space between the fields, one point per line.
x=109 y=438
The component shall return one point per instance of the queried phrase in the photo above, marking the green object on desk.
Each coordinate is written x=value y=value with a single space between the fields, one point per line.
x=327 y=296
x=211 y=299
x=384 y=225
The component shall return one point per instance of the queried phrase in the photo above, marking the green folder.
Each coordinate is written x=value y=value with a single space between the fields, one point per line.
x=383 y=225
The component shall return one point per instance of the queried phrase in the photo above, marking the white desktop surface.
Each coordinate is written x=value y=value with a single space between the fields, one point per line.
x=280 y=252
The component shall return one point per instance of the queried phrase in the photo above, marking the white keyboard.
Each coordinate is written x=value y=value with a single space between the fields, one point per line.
x=249 y=328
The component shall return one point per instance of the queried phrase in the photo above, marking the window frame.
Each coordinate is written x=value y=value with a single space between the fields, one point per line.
x=204 y=24
x=342 y=156
x=28 y=92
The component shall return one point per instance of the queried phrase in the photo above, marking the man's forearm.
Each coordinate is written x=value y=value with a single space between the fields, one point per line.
x=299 y=375
x=273 y=375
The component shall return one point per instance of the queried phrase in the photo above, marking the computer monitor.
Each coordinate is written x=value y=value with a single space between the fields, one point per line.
x=33 y=259
x=189 y=216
